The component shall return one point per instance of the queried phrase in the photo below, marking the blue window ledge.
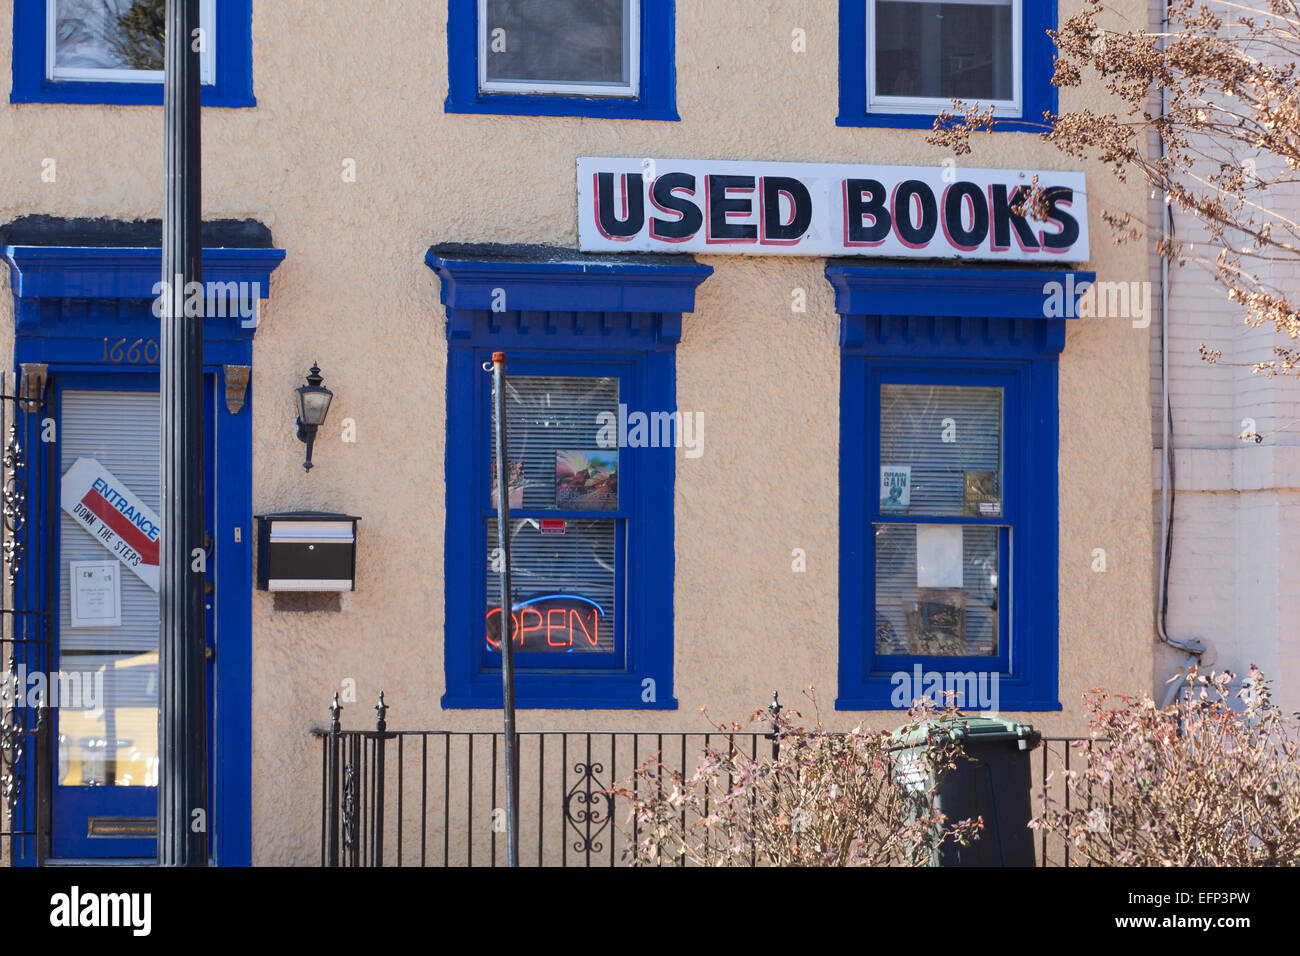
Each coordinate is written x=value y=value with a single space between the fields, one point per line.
x=1038 y=64
x=562 y=312
x=233 y=74
x=657 y=88
x=954 y=326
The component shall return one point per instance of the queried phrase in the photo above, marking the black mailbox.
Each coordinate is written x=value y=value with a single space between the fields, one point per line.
x=306 y=551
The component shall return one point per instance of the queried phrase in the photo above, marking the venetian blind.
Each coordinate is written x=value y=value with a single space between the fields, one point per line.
x=556 y=428
x=580 y=562
x=120 y=430
x=937 y=586
x=547 y=417
x=941 y=433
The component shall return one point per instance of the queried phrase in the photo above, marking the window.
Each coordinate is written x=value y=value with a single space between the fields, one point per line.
x=938 y=525
x=590 y=343
x=111 y=51
x=611 y=58
x=902 y=62
x=119 y=41
x=571 y=46
x=948 y=510
x=567 y=528
x=921 y=56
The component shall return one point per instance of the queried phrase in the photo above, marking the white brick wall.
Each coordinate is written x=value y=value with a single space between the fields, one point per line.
x=1235 y=573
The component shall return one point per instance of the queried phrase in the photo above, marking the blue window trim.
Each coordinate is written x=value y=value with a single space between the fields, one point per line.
x=953 y=326
x=233 y=79
x=583 y=315
x=1038 y=56
x=656 y=100
x=66 y=300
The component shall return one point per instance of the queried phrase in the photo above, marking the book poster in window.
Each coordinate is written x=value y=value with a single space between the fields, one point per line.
x=586 y=480
x=895 y=489
x=983 y=499
x=515 y=483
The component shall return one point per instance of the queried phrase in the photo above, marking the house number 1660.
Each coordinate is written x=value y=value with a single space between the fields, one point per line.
x=131 y=352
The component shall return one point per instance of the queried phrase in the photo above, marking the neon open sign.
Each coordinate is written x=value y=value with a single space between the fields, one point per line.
x=553 y=623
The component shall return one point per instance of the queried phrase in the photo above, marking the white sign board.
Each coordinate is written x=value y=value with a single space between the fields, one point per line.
x=96 y=599
x=113 y=516
x=824 y=209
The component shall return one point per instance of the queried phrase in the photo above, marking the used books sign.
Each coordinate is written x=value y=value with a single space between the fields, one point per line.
x=822 y=209
x=113 y=516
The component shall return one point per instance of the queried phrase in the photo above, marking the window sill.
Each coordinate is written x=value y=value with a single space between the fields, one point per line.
x=507 y=104
x=1002 y=124
x=561 y=690
x=871 y=699
x=122 y=94
x=533 y=702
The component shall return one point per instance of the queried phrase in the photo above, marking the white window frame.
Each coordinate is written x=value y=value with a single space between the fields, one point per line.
x=207 y=71
x=630 y=90
x=932 y=105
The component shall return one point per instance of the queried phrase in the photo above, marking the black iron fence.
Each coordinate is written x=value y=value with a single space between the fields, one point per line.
x=437 y=798
x=26 y=748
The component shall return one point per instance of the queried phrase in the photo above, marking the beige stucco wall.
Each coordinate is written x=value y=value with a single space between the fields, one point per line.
x=355 y=295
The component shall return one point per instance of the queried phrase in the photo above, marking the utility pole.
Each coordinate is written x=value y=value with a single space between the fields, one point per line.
x=182 y=687
x=507 y=609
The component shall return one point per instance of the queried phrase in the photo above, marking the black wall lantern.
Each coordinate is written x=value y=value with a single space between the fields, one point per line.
x=313 y=406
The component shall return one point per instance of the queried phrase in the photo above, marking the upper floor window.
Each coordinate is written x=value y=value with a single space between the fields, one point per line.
x=580 y=47
x=111 y=51
x=921 y=56
x=902 y=62
x=611 y=58
x=120 y=41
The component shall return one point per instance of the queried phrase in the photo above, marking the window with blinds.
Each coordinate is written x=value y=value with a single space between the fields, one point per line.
x=115 y=744
x=937 y=583
x=564 y=559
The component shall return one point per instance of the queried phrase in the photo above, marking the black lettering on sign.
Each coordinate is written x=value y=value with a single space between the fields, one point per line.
x=914 y=235
x=957 y=198
x=631 y=205
x=1004 y=220
x=775 y=231
x=865 y=199
x=1059 y=196
x=722 y=208
x=689 y=218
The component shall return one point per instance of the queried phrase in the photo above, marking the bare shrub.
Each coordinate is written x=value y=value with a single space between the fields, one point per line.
x=1196 y=784
x=826 y=799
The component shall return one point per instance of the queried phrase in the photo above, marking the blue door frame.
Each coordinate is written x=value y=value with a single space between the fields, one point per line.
x=71 y=306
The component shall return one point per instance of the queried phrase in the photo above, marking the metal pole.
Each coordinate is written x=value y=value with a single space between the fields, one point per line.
x=507 y=607
x=182 y=704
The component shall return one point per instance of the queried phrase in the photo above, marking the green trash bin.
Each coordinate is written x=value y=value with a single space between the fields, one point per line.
x=992 y=780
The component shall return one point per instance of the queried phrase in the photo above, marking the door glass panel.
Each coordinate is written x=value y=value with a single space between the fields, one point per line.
x=108 y=722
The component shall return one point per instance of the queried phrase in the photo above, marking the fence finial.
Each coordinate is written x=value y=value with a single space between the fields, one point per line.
x=335 y=709
x=381 y=723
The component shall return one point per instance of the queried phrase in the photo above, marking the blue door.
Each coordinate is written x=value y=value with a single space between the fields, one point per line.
x=105 y=617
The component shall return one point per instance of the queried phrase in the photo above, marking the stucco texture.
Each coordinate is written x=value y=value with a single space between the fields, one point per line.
x=355 y=295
